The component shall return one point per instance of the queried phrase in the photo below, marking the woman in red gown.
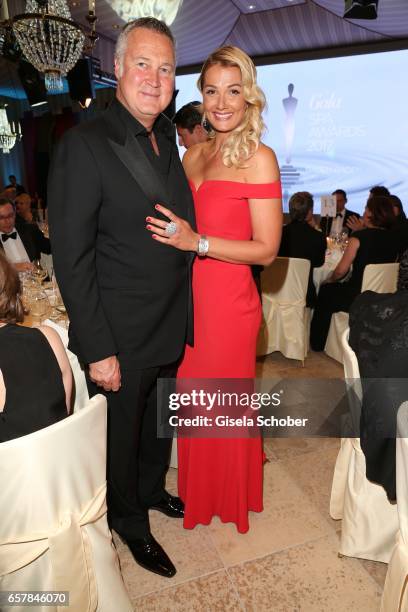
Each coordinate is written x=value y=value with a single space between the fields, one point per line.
x=235 y=183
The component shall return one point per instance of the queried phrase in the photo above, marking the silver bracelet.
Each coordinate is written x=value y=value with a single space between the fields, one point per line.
x=203 y=246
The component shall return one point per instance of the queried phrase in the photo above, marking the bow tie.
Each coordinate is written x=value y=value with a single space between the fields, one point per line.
x=339 y=215
x=5 y=237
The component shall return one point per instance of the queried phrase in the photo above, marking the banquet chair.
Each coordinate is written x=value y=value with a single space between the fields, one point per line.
x=286 y=320
x=381 y=278
x=54 y=533
x=395 y=594
x=369 y=520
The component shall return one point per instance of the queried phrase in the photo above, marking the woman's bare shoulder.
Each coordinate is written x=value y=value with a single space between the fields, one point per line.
x=264 y=166
x=194 y=152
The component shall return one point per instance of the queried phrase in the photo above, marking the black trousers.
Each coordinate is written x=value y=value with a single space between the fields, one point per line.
x=137 y=459
x=333 y=297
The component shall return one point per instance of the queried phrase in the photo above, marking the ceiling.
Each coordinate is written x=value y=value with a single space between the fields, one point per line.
x=283 y=29
x=269 y=27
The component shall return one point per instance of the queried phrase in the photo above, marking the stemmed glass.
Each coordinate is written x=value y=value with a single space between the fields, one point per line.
x=38 y=303
x=38 y=272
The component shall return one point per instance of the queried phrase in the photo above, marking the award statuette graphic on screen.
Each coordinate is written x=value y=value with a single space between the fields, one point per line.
x=344 y=125
x=289 y=174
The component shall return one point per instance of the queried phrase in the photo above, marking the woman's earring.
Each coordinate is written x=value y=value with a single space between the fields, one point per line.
x=205 y=123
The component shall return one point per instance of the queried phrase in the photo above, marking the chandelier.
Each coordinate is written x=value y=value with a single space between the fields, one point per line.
x=165 y=10
x=8 y=135
x=50 y=40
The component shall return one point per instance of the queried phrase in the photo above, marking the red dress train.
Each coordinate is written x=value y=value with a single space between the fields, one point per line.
x=223 y=477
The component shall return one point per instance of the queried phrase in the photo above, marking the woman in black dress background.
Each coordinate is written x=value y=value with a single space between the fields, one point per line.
x=377 y=243
x=35 y=375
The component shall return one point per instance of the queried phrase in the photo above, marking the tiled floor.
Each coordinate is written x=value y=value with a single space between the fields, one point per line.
x=288 y=560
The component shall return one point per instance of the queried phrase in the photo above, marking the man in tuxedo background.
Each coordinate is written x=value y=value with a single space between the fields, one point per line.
x=301 y=239
x=331 y=226
x=188 y=122
x=22 y=243
x=128 y=296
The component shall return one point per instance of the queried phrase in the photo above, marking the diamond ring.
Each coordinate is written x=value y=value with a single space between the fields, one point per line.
x=171 y=228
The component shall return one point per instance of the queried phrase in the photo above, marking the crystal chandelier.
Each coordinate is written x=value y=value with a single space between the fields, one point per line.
x=49 y=39
x=165 y=10
x=8 y=136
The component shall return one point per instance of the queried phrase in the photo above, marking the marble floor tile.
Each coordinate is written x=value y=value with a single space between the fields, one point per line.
x=287 y=448
x=213 y=593
x=289 y=518
x=317 y=365
x=376 y=569
x=268 y=449
x=313 y=473
x=307 y=578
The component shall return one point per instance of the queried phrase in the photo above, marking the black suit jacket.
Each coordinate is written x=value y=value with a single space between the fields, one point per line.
x=302 y=241
x=33 y=239
x=125 y=293
x=326 y=222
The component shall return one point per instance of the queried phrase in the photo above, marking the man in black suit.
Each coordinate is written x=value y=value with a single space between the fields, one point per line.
x=331 y=226
x=300 y=238
x=20 y=241
x=128 y=297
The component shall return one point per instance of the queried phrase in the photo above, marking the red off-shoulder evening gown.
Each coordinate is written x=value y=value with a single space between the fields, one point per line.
x=223 y=477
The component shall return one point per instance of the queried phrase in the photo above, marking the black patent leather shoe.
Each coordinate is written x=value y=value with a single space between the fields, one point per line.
x=150 y=555
x=170 y=505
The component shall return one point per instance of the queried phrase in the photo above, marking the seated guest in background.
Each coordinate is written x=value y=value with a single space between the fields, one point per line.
x=35 y=375
x=398 y=208
x=23 y=208
x=188 y=122
x=21 y=242
x=401 y=221
x=14 y=185
x=378 y=332
x=331 y=226
x=300 y=238
x=10 y=193
x=379 y=190
x=355 y=223
x=375 y=244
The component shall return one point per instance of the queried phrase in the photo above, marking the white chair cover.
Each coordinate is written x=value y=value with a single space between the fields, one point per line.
x=370 y=522
x=338 y=325
x=381 y=278
x=53 y=530
x=286 y=320
x=395 y=595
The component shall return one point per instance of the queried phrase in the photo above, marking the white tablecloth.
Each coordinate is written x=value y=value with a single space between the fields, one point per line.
x=332 y=258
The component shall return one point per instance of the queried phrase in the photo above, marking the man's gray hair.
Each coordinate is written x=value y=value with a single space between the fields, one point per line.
x=299 y=205
x=148 y=23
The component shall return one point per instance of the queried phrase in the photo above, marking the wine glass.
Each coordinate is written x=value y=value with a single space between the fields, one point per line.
x=38 y=272
x=38 y=303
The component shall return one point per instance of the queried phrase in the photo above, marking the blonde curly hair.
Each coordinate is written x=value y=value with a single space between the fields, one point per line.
x=244 y=140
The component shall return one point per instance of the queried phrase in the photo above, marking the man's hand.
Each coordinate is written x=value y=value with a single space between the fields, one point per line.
x=106 y=373
x=355 y=223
